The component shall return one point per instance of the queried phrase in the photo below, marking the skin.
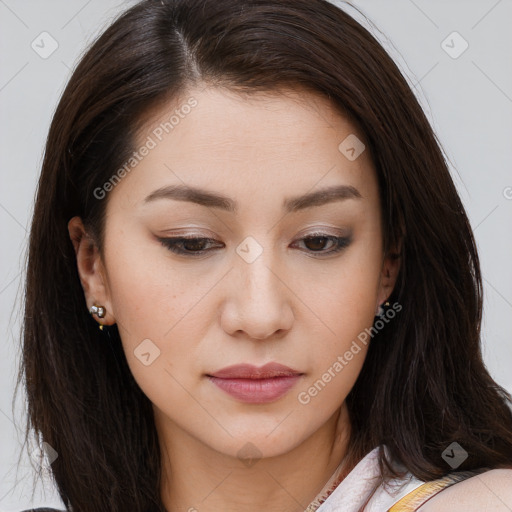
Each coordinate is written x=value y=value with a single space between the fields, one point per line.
x=491 y=490
x=290 y=305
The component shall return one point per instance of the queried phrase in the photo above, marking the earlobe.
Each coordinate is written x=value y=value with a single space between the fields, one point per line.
x=388 y=277
x=90 y=270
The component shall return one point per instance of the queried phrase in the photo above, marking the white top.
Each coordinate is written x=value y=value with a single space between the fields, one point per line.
x=354 y=489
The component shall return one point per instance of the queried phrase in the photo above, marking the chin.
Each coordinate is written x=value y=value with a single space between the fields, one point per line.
x=253 y=442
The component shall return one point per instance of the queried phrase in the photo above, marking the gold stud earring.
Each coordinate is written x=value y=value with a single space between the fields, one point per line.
x=380 y=310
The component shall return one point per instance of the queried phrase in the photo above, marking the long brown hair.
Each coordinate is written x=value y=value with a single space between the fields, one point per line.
x=423 y=384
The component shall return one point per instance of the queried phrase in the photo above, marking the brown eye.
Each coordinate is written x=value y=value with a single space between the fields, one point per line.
x=194 y=244
x=317 y=243
x=188 y=246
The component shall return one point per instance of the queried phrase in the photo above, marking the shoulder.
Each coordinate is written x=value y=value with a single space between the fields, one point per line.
x=491 y=490
x=42 y=510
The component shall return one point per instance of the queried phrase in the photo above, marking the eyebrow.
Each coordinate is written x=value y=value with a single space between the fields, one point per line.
x=292 y=204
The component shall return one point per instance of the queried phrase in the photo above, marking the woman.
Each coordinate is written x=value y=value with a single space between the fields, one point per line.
x=251 y=282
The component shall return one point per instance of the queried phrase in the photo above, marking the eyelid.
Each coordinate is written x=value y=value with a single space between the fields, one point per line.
x=172 y=244
x=318 y=231
x=325 y=231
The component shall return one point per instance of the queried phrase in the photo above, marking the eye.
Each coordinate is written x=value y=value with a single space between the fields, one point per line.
x=199 y=246
x=188 y=246
x=316 y=242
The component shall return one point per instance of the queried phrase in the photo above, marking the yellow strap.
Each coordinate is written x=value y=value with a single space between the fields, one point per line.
x=414 y=499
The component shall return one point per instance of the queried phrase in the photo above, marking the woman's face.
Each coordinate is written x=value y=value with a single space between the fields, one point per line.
x=244 y=173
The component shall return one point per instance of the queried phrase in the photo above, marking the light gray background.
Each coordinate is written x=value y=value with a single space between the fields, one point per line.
x=468 y=100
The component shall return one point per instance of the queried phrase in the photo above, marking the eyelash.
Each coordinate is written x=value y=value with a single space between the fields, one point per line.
x=172 y=244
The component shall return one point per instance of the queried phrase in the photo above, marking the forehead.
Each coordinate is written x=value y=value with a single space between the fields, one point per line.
x=261 y=120
x=283 y=142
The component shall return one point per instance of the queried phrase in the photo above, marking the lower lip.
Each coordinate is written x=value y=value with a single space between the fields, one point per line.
x=256 y=391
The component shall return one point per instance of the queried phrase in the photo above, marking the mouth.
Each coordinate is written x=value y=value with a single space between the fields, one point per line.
x=256 y=385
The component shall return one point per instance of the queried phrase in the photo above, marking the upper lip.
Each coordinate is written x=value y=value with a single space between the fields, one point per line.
x=249 y=371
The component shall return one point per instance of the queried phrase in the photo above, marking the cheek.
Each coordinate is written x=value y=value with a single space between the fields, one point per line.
x=150 y=292
x=343 y=300
x=152 y=303
x=344 y=293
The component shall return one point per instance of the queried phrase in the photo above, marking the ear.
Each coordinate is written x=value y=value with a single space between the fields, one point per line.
x=388 y=276
x=91 y=270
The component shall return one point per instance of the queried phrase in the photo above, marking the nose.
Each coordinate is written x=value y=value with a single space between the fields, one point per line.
x=259 y=302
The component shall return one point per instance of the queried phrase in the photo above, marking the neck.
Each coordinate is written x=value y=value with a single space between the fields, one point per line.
x=196 y=477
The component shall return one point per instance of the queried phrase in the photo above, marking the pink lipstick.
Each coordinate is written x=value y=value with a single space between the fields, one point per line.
x=251 y=384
